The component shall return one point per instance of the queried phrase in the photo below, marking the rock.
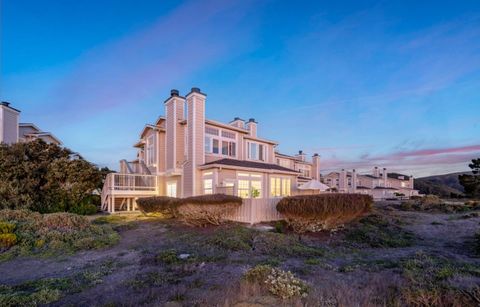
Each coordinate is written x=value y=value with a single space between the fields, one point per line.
x=183 y=256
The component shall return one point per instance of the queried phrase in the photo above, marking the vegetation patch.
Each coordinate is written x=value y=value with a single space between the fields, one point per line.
x=428 y=285
x=433 y=204
x=323 y=212
x=280 y=283
x=54 y=233
x=377 y=231
x=167 y=206
x=49 y=290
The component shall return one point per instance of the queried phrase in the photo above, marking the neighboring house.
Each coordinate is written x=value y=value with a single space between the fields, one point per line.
x=11 y=131
x=184 y=154
x=380 y=184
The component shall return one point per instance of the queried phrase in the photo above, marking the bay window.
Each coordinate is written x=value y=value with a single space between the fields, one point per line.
x=249 y=185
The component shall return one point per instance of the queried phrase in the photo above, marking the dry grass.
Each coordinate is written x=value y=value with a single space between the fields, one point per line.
x=323 y=212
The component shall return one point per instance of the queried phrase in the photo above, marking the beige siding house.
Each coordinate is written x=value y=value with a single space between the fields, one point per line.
x=11 y=131
x=184 y=154
x=379 y=184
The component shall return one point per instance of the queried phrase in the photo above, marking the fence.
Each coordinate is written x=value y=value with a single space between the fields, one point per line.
x=257 y=210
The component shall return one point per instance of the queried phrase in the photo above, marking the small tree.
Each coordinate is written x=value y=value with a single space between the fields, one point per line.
x=471 y=183
x=45 y=177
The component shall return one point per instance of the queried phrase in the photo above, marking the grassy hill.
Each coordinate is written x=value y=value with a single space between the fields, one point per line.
x=446 y=185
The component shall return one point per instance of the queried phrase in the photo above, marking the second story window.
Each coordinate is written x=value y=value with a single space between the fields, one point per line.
x=150 y=150
x=218 y=146
x=256 y=151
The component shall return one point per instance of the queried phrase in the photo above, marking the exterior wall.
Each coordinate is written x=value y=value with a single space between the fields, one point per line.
x=175 y=133
x=8 y=125
x=161 y=152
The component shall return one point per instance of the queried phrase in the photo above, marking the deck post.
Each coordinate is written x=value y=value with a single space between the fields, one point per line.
x=113 y=204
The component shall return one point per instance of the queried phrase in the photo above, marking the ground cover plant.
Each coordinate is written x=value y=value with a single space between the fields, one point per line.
x=25 y=233
x=323 y=212
x=388 y=258
x=433 y=204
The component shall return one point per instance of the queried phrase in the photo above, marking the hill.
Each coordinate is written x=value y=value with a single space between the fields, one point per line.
x=446 y=185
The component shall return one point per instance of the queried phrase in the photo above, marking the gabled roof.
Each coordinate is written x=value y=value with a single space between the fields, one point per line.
x=250 y=164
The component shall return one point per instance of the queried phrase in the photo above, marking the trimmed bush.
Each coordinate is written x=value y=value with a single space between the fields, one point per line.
x=324 y=211
x=8 y=240
x=207 y=209
x=159 y=204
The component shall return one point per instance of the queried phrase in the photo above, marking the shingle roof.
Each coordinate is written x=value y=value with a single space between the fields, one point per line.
x=371 y=176
x=384 y=188
x=361 y=187
x=251 y=164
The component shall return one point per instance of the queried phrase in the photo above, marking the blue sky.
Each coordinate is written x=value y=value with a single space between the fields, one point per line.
x=362 y=83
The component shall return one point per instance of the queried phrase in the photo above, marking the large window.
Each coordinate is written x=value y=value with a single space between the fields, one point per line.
x=172 y=188
x=220 y=143
x=256 y=151
x=207 y=186
x=279 y=186
x=150 y=150
x=249 y=185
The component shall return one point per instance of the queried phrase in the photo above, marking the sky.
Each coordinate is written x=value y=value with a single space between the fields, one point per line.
x=362 y=83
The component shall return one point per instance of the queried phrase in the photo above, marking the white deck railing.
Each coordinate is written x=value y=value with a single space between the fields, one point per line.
x=128 y=184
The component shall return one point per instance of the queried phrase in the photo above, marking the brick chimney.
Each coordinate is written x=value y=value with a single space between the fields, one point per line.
x=195 y=142
x=252 y=127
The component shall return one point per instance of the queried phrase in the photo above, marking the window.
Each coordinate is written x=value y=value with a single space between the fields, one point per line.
x=208 y=186
x=172 y=189
x=220 y=146
x=228 y=134
x=249 y=185
x=279 y=186
x=208 y=144
x=256 y=151
x=210 y=130
x=151 y=150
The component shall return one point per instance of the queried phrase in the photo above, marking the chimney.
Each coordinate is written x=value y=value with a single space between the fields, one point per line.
x=410 y=181
x=252 y=127
x=9 y=118
x=300 y=156
x=316 y=167
x=384 y=175
x=376 y=172
x=238 y=122
x=342 y=181
x=195 y=142
x=354 y=181
x=175 y=133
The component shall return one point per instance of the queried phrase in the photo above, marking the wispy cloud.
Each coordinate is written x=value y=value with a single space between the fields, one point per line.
x=140 y=65
x=419 y=162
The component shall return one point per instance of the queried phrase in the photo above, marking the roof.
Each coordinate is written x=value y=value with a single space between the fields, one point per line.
x=40 y=134
x=396 y=175
x=384 y=188
x=304 y=178
x=371 y=176
x=7 y=105
x=250 y=164
x=361 y=187
x=29 y=125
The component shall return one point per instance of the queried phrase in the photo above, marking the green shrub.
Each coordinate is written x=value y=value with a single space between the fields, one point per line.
x=159 y=204
x=377 y=231
x=8 y=240
x=55 y=232
x=6 y=227
x=323 y=211
x=258 y=273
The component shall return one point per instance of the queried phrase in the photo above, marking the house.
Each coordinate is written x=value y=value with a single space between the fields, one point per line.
x=11 y=131
x=379 y=184
x=183 y=154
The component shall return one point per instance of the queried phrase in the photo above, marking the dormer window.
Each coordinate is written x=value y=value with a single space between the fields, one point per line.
x=220 y=142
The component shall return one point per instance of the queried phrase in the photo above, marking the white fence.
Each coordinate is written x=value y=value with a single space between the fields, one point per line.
x=257 y=210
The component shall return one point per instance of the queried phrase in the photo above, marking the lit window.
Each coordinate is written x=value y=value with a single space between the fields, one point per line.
x=172 y=189
x=208 y=186
x=279 y=187
x=250 y=185
x=244 y=188
x=256 y=189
